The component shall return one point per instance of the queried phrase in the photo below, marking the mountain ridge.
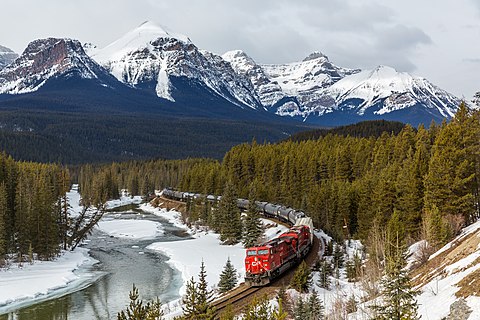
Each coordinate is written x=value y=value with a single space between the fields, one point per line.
x=7 y=56
x=154 y=61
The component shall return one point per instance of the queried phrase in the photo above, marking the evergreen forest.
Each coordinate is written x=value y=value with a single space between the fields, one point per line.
x=32 y=209
x=428 y=179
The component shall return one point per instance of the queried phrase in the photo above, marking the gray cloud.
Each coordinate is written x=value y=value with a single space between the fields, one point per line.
x=471 y=60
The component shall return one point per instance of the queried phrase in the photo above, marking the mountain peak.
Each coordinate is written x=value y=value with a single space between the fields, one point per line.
x=7 y=56
x=158 y=31
x=238 y=57
x=315 y=55
x=136 y=39
x=44 y=59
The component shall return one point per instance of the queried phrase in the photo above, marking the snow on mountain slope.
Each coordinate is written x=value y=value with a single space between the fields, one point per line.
x=295 y=89
x=45 y=59
x=268 y=92
x=476 y=100
x=391 y=90
x=7 y=56
x=451 y=278
x=315 y=87
x=313 y=73
x=149 y=56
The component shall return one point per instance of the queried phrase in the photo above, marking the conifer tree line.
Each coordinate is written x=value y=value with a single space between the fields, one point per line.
x=424 y=180
x=32 y=209
x=428 y=177
x=103 y=182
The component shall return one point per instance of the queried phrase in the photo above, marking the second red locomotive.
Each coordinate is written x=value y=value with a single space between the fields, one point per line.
x=272 y=258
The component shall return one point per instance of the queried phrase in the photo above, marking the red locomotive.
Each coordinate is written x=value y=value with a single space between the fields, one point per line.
x=272 y=258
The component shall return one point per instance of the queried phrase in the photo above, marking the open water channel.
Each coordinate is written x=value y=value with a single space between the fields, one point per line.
x=122 y=262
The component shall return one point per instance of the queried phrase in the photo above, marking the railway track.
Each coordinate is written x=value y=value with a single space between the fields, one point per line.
x=234 y=297
x=241 y=296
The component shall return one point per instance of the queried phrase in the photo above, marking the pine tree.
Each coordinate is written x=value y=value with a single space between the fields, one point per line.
x=228 y=277
x=190 y=300
x=252 y=228
x=437 y=231
x=399 y=297
x=228 y=314
x=314 y=307
x=300 y=310
x=338 y=257
x=136 y=310
x=259 y=309
x=196 y=303
x=325 y=271
x=229 y=216
x=3 y=215
x=302 y=278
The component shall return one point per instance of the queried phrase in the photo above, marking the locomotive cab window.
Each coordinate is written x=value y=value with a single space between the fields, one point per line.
x=251 y=253
x=264 y=251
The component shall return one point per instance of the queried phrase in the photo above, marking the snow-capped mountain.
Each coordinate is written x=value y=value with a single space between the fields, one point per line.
x=47 y=59
x=315 y=87
x=7 y=56
x=151 y=62
x=385 y=90
x=268 y=91
x=476 y=99
x=150 y=57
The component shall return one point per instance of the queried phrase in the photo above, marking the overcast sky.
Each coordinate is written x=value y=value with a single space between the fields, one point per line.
x=436 y=39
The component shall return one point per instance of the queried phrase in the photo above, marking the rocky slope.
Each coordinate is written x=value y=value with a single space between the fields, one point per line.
x=7 y=56
x=153 y=58
x=449 y=283
x=315 y=88
x=155 y=62
x=47 y=59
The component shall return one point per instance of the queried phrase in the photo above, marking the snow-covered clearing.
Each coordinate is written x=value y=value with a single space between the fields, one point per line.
x=131 y=229
x=23 y=285
x=188 y=254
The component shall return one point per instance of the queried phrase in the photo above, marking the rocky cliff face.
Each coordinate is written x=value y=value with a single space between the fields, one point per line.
x=7 y=56
x=315 y=87
x=150 y=56
x=45 y=59
x=168 y=65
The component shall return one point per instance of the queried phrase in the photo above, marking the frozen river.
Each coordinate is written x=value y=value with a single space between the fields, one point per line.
x=123 y=262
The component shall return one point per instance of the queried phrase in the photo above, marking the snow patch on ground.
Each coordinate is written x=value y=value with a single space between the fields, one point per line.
x=172 y=216
x=131 y=229
x=123 y=201
x=44 y=280
x=187 y=255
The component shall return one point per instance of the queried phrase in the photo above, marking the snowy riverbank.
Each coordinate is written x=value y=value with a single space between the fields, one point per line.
x=44 y=280
x=26 y=284
x=187 y=255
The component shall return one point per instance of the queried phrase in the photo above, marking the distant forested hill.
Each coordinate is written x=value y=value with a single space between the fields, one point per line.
x=74 y=137
x=363 y=129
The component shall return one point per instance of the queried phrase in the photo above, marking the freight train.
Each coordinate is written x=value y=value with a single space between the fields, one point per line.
x=268 y=260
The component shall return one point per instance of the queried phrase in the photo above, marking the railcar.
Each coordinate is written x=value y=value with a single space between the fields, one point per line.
x=269 y=260
x=242 y=203
x=271 y=210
